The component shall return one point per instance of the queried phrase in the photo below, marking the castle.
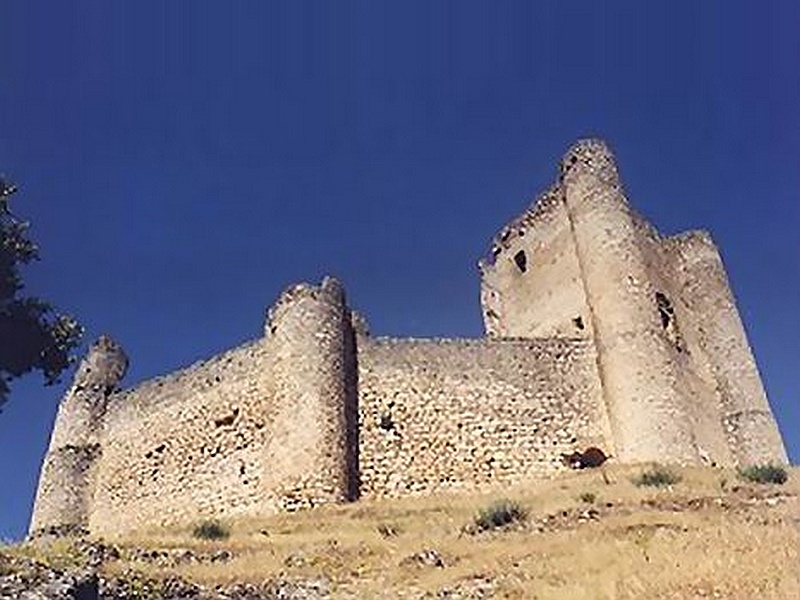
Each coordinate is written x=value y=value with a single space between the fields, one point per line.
x=599 y=332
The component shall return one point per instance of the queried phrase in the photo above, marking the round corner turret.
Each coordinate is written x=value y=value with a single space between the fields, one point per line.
x=66 y=484
x=311 y=332
x=82 y=410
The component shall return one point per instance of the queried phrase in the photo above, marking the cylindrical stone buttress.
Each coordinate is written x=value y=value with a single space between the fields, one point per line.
x=747 y=420
x=648 y=419
x=66 y=483
x=311 y=456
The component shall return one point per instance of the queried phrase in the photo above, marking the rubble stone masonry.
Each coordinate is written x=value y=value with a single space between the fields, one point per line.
x=600 y=332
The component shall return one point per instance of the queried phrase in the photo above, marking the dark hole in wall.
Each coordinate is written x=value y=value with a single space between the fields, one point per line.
x=578 y=322
x=521 y=261
x=156 y=452
x=665 y=309
x=386 y=423
x=227 y=420
x=666 y=313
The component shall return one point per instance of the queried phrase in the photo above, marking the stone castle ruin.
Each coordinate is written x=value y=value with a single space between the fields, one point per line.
x=599 y=332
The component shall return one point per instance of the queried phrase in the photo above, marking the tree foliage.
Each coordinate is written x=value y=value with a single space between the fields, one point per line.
x=33 y=336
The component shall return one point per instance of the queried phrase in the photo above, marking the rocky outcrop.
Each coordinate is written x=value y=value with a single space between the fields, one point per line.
x=23 y=578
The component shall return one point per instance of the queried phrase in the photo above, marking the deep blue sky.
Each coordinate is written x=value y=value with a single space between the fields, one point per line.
x=183 y=162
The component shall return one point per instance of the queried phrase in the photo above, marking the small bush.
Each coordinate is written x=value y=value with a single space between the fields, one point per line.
x=500 y=514
x=764 y=474
x=211 y=530
x=588 y=497
x=657 y=476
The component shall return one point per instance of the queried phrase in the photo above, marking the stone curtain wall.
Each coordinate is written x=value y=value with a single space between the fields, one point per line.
x=261 y=428
x=461 y=414
x=211 y=440
x=189 y=445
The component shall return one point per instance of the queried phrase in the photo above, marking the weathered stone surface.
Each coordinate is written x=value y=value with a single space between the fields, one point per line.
x=600 y=332
x=27 y=579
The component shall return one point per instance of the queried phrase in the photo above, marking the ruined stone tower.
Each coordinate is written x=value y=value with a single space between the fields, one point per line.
x=66 y=486
x=679 y=380
x=315 y=368
x=600 y=332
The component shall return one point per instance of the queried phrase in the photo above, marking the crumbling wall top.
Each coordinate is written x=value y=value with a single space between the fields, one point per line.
x=540 y=211
x=590 y=155
x=103 y=367
x=587 y=155
x=360 y=324
x=692 y=246
x=330 y=291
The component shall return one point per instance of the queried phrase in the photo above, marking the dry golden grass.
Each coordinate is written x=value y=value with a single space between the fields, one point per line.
x=711 y=535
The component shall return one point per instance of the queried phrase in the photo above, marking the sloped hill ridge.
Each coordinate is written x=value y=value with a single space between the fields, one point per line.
x=591 y=534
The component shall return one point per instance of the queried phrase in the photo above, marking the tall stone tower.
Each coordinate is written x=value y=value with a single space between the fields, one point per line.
x=679 y=380
x=747 y=420
x=314 y=448
x=648 y=418
x=66 y=484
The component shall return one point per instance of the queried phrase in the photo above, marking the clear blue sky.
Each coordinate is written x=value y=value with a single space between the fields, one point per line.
x=183 y=162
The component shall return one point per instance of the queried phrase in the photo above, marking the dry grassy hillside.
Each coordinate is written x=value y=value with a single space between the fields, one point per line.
x=588 y=534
